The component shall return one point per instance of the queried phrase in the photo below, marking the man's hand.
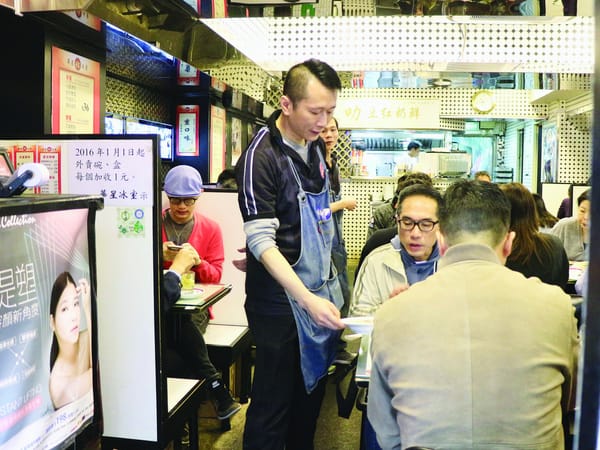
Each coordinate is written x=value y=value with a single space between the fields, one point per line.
x=168 y=255
x=240 y=264
x=185 y=259
x=323 y=312
x=398 y=289
x=349 y=204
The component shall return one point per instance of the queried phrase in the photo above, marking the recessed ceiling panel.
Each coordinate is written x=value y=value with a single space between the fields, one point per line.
x=416 y=43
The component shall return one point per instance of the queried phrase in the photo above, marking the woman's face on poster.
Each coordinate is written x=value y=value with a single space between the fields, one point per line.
x=65 y=322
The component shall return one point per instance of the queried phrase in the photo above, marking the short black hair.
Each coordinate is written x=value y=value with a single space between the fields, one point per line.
x=227 y=180
x=425 y=190
x=473 y=207
x=585 y=195
x=482 y=173
x=414 y=144
x=298 y=76
x=410 y=179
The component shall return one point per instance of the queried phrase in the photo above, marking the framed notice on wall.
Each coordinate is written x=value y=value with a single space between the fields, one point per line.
x=217 y=141
x=75 y=93
x=186 y=130
x=187 y=75
x=236 y=139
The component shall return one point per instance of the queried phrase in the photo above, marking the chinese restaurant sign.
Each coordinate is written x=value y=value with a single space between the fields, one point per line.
x=381 y=113
x=45 y=396
x=186 y=137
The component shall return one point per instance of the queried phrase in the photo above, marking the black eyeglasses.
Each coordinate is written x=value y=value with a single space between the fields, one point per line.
x=185 y=201
x=425 y=225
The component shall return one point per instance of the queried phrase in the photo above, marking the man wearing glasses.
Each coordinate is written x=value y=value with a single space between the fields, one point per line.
x=183 y=224
x=183 y=228
x=476 y=356
x=411 y=256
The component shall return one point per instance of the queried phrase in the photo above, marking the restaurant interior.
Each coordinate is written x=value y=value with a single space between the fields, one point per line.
x=507 y=79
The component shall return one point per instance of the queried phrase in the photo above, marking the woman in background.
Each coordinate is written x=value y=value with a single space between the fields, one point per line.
x=565 y=209
x=534 y=254
x=70 y=354
x=337 y=204
x=547 y=220
x=574 y=232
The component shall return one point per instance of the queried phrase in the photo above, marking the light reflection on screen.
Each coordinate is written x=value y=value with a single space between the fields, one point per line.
x=116 y=124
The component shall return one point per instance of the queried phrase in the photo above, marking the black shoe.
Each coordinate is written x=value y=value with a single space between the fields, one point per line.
x=227 y=409
x=344 y=357
x=225 y=405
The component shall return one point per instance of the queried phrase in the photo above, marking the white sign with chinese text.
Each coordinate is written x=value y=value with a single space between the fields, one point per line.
x=118 y=170
x=380 y=113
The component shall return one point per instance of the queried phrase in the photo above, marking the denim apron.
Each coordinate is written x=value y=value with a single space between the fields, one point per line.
x=317 y=344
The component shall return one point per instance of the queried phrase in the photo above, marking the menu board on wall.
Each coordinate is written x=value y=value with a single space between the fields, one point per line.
x=217 y=141
x=46 y=396
x=48 y=154
x=75 y=93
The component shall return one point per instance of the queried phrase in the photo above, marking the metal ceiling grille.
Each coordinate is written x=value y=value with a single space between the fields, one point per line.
x=416 y=43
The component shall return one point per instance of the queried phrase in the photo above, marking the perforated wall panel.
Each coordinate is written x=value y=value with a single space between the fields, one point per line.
x=137 y=101
x=138 y=83
x=343 y=152
x=574 y=150
x=364 y=190
x=356 y=222
x=575 y=81
x=358 y=8
x=246 y=77
x=125 y=59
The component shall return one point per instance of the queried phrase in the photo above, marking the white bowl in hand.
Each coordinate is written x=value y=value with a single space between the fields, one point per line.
x=360 y=325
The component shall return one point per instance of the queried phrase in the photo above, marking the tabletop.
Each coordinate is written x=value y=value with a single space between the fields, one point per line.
x=201 y=297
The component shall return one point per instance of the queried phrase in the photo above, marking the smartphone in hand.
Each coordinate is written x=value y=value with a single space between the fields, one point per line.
x=175 y=248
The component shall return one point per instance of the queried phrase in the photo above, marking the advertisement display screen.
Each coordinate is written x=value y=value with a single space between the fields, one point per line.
x=164 y=132
x=46 y=363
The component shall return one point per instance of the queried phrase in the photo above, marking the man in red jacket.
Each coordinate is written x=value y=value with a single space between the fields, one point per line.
x=182 y=223
x=184 y=227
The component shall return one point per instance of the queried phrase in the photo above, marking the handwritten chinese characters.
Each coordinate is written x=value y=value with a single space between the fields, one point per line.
x=387 y=113
x=119 y=171
x=187 y=130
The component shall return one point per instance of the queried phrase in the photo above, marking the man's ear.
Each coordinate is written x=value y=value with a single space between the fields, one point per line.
x=286 y=104
x=442 y=244
x=508 y=243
